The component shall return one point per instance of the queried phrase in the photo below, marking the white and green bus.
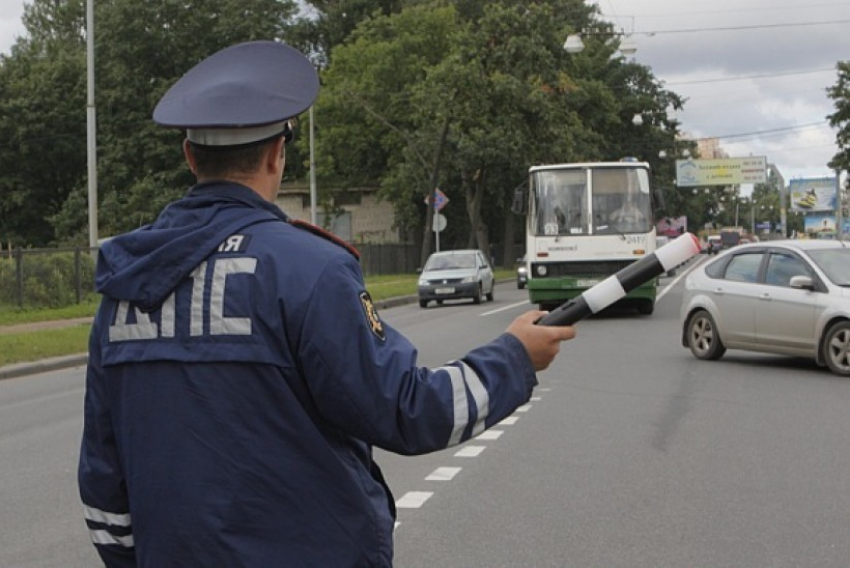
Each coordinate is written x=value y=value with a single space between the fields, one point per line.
x=586 y=221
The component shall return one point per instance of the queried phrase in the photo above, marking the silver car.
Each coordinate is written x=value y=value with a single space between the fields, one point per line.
x=790 y=297
x=456 y=274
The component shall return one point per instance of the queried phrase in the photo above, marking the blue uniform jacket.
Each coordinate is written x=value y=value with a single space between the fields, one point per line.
x=238 y=378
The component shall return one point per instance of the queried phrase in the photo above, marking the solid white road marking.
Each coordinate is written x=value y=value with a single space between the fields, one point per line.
x=443 y=474
x=413 y=499
x=470 y=451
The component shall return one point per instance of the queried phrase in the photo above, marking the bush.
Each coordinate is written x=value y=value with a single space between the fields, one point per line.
x=51 y=279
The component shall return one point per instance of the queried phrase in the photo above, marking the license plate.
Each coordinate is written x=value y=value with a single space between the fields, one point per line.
x=586 y=283
x=444 y=291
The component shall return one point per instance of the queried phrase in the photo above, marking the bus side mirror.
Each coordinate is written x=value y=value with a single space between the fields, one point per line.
x=519 y=203
x=659 y=198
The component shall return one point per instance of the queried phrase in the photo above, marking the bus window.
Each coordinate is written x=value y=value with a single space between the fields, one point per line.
x=560 y=203
x=621 y=201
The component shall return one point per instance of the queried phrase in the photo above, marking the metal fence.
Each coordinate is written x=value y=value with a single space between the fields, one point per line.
x=54 y=278
x=46 y=278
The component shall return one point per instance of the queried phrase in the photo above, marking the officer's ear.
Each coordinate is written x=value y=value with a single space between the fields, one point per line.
x=275 y=156
x=190 y=157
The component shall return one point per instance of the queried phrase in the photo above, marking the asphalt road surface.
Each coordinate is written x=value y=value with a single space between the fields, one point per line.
x=631 y=453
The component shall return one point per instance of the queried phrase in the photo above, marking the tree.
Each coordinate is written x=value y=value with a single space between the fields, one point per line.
x=42 y=122
x=840 y=119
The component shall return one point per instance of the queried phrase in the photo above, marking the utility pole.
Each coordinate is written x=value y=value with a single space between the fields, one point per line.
x=91 y=128
x=839 y=210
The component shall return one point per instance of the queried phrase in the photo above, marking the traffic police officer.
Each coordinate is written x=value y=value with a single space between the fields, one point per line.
x=239 y=373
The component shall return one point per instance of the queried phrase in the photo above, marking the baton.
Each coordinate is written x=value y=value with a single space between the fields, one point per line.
x=616 y=286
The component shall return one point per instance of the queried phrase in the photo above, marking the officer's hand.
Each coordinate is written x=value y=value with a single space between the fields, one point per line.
x=542 y=342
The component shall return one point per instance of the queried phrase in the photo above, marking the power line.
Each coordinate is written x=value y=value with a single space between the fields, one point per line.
x=757 y=133
x=743 y=77
x=738 y=28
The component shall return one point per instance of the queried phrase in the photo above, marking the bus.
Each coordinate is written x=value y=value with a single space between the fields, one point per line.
x=584 y=222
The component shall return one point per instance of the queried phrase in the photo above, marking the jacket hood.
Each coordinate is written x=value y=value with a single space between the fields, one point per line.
x=145 y=265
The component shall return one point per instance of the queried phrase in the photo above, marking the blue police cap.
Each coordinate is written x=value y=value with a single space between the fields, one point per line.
x=242 y=94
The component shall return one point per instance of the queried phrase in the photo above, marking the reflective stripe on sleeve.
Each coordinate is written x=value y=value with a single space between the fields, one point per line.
x=463 y=378
x=479 y=395
x=114 y=519
x=105 y=537
x=461 y=407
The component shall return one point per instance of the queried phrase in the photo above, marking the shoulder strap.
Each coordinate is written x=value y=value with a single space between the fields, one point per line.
x=327 y=235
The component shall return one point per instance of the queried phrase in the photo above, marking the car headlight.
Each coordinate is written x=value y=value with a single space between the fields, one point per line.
x=467 y=280
x=541 y=270
x=423 y=282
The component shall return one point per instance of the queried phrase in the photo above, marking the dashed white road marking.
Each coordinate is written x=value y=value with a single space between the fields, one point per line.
x=524 y=408
x=413 y=499
x=469 y=451
x=443 y=474
x=490 y=435
x=509 y=421
x=535 y=398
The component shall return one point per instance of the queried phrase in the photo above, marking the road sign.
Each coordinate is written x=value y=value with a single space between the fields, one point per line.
x=439 y=222
x=440 y=199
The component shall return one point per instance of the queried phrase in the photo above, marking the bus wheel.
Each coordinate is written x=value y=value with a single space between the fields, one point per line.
x=646 y=307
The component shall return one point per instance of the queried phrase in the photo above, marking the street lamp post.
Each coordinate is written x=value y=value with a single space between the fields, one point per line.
x=91 y=128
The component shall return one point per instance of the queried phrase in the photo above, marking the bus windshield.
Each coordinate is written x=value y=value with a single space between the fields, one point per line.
x=586 y=201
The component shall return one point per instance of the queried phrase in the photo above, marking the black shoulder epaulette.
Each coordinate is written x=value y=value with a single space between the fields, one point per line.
x=327 y=235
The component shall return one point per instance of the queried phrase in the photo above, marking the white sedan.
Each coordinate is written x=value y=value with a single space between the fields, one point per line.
x=789 y=297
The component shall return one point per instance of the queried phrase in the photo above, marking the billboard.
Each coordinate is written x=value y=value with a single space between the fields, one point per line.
x=671 y=226
x=818 y=224
x=812 y=194
x=726 y=171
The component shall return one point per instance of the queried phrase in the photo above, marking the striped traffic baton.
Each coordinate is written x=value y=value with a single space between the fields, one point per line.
x=616 y=286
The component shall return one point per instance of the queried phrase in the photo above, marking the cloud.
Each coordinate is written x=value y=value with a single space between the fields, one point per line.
x=770 y=73
x=11 y=25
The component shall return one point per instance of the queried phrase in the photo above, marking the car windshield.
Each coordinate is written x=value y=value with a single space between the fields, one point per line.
x=450 y=262
x=835 y=263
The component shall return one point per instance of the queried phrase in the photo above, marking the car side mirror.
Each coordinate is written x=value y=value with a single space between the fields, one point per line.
x=518 y=206
x=803 y=282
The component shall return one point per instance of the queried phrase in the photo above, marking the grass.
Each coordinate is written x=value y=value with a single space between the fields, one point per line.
x=35 y=345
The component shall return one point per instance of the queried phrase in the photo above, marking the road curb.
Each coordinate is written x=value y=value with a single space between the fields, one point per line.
x=43 y=366
x=56 y=363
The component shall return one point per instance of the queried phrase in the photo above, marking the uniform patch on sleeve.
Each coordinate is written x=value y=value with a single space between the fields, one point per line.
x=372 y=318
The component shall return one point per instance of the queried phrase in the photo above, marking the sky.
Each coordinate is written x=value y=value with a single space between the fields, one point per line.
x=760 y=88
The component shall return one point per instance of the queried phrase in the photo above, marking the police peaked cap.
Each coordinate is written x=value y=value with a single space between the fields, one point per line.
x=242 y=94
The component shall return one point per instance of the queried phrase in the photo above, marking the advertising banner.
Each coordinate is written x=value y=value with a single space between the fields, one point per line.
x=822 y=225
x=812 y=194
x=727 y=171
x=671 y=226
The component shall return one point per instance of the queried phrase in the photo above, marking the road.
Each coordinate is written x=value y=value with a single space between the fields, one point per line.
x=631 y=453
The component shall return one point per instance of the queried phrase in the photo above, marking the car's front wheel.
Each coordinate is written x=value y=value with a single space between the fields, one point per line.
x=476 y=298
x=703 y=337
x=836 y=348
x=492 y=290
x=423 y=303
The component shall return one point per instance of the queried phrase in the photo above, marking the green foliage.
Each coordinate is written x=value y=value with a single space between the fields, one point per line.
x=48 y=280
x=33 y=346
x=465 y=95
x=840 y=119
